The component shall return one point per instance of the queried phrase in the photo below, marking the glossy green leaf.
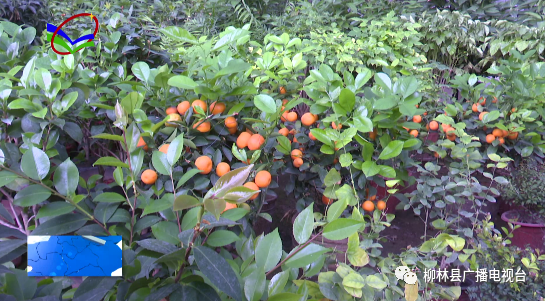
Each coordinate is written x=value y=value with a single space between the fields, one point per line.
x=35 y=163
x=341 y=228
x=303 y=225
x=218 y=271
x=269 y=251
x=66 y=177
x=31 y=195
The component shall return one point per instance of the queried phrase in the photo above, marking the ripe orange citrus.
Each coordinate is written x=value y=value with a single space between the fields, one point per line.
x=326 y=201
x=451 y=136
x=199 y=103
x=143 y=143
x=298 y=162
x=232 y=130
x=183 y=107
x=284 y=116
x=242 y=140
x=308 y=119
x=296 y=154
x=482 y=115
x=434 y=125
x=203 y=127
x=291 y=116
x=284 y=132
x=501 y=140
x=483 y=102
x=381 y=205
x=255 y=142
x=231 y=122
x=285 y=102
x=282 y=90
x=253 y=186
x=217 y=107
x=497 y=133
x=368 y=206
x=372 y=198
x=504 y=133
x=513 y=135
x=171 y=110
x=490 y=138
x=229 y=206
x=204 y=163
x=373 y=134
x=164 y=148
x=495 y=100
x=513 y=110
x=149 y=176
x=336 y=126
x=414 y=133
x=417 y=118
x=222 y=169
x=263 y=179
x=475 y=107
x=311 y=136
x=173 y=117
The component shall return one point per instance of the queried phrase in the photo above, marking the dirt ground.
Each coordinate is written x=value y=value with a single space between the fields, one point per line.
x=406 y=229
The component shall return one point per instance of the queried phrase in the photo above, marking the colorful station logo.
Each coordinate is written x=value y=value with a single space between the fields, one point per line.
x=57 y=37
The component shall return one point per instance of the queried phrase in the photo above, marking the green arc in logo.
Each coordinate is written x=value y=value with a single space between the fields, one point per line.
x=61 y=42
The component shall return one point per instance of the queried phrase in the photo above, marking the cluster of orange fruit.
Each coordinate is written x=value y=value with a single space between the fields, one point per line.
x=501 y=135
x=367 y=205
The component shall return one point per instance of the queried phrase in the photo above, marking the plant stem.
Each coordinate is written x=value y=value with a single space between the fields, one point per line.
x=174 y=193
x=10 y=200
x=90 y=216
x=133 y=206
x=187 y=252
x=292 y=254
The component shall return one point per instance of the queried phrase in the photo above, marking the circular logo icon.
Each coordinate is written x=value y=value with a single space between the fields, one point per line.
x=59 y=30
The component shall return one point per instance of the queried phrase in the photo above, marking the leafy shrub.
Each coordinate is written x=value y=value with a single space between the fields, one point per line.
x=526 y=186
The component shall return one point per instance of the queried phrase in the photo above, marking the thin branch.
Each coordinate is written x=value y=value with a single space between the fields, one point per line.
x=10 y=199
x=293 y=254
x=12 y=227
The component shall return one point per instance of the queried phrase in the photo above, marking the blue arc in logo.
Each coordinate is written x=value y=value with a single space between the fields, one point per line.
x=52 y=28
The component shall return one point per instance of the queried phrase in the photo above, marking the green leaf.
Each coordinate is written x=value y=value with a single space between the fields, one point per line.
x=346 y=159
x=370 y=168
x=234 y=66
x=341 y=228
x=487 y=118
x=239 y=194
x=347 y=99
x=19 y=285
x=265 y=103
x=158 y=246
x=235 y=214
x=55 y=209
x=387 y=171
x=332 y=177
x=31 y=195
x=303 y=225
x=408 y=86
x=109 y=137
x=383 y=80
x=7 y=177
x=363 y=123
x=66 y=178
x=185 y=201
x=175 y=149
x=286 y=297
x=160 y=162
x=336 y=209
x=385 y=103
x=284 y=145
x=187 y=175
x=159 y=205
x=375 y=282
x=393 y=149
x=218 y=271
x=357 y=256
x=142 y=71
x=354 y=280
x=166 y=231
x=269 y=251
x=306 y=256
x=346 y=193
x=215 y=206
x=255 y=285
x=363 y=77
x=110 y=161
x=182 y=82
x=109 y=197
x=35 y=163
x=94 y=288
x=60 y=225
x=321 y=135
x=220 y=238
x=228 y=181
x=278 y=283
